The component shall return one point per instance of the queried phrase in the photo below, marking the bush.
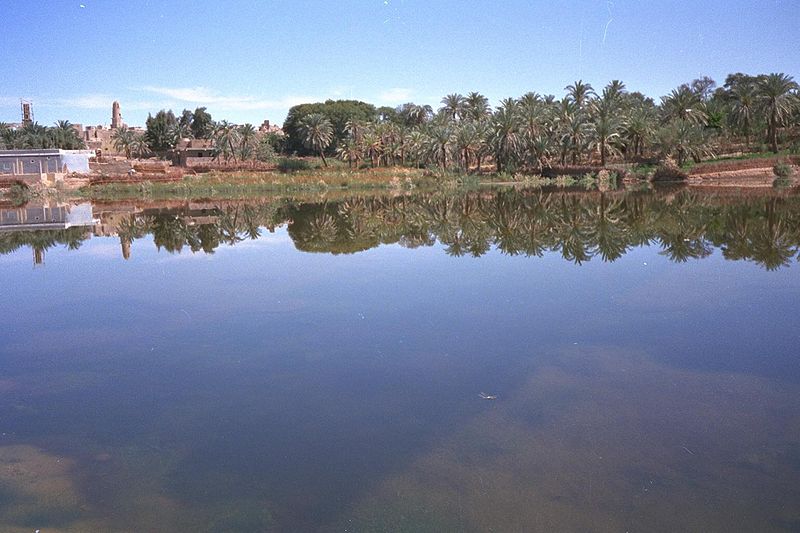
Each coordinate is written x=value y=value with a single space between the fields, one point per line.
x=19 y=194
x=782 y=170
x=782 y=183
x=668 y=171
x=288 y=164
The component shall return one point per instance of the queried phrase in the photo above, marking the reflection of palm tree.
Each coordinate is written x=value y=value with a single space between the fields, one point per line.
x=682 y=232
x=571 y=231
x=229 y=226
x=772 y=246
x=606 y=230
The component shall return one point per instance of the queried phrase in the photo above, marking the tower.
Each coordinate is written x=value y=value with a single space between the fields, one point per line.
x=116 y=117
x=27 y=112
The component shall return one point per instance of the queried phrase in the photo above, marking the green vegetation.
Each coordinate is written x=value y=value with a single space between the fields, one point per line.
x=535 y=132
x=782 y=170
x=299 y=175
x=317 y=133
x=62 y=135
x=338 y=112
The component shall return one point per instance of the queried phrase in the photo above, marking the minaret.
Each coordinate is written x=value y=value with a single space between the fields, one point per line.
x=126 y=247
x=27 y=112
x=116 y=117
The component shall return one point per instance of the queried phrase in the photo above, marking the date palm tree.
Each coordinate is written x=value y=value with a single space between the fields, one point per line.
x=453 y=106
x=684 y=104
x=685 y=140
x=139 y=146
x=317 y=133
x=638 y=128
x=226 y=138
x=122 y=139
x=776 y=94
x=579 y=93
x=440 y=135
x=607 y=125
x=467 y=142
x=476 y=106
x=743 y=108
x=349 y=151
x=505 y=137
x=247 y=136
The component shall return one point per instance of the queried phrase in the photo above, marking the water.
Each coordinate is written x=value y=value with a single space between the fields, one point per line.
x=277 y=365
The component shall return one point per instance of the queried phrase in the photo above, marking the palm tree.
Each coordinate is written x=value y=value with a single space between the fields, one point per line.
x=685 y=140
x=453 y=106
x=606 y=123
x=6 y=133
x=776 y=96
x=440 y=136
x=139 y=146
x=373 y=145
x=614 y=91
x=579 y=93
x=505 y=137
x=476 y=106
x=122 y=139
x=540 y=149
x=468 y=142
x=66 y=136
x=638 y=129
x=349 y=151
x=743 y=108
x=684 y=104
x=247 y=134
x=226 y=138
x=576 y=135
x=317 y=132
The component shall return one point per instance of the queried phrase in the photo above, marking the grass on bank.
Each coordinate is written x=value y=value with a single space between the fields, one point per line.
x=240 y=184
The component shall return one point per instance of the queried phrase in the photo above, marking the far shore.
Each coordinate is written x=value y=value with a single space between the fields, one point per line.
x=154 y=179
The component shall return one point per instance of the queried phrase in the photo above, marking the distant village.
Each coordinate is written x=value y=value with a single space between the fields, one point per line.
x=101 y=154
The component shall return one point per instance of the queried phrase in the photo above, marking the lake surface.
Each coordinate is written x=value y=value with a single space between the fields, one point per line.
x=495 y=361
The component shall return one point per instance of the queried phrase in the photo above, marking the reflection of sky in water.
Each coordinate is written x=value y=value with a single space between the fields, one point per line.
x=261 y=387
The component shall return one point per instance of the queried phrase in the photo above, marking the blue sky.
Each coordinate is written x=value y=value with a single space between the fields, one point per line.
x=247 y=61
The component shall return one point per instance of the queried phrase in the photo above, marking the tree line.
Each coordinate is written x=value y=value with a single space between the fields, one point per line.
x=534 y=131
x=61 y=135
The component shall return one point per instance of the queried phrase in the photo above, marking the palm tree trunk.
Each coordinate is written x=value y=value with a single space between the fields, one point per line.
x=233 y=152
x=773 y=131
x=322 y=155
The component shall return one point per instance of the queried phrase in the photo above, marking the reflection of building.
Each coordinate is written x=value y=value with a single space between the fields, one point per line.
x=45 y=217
x=40 y=226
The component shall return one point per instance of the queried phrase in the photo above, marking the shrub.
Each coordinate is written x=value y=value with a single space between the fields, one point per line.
x=19 y=194
x=288 y=164
x=782 y=170
x=668 y=171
